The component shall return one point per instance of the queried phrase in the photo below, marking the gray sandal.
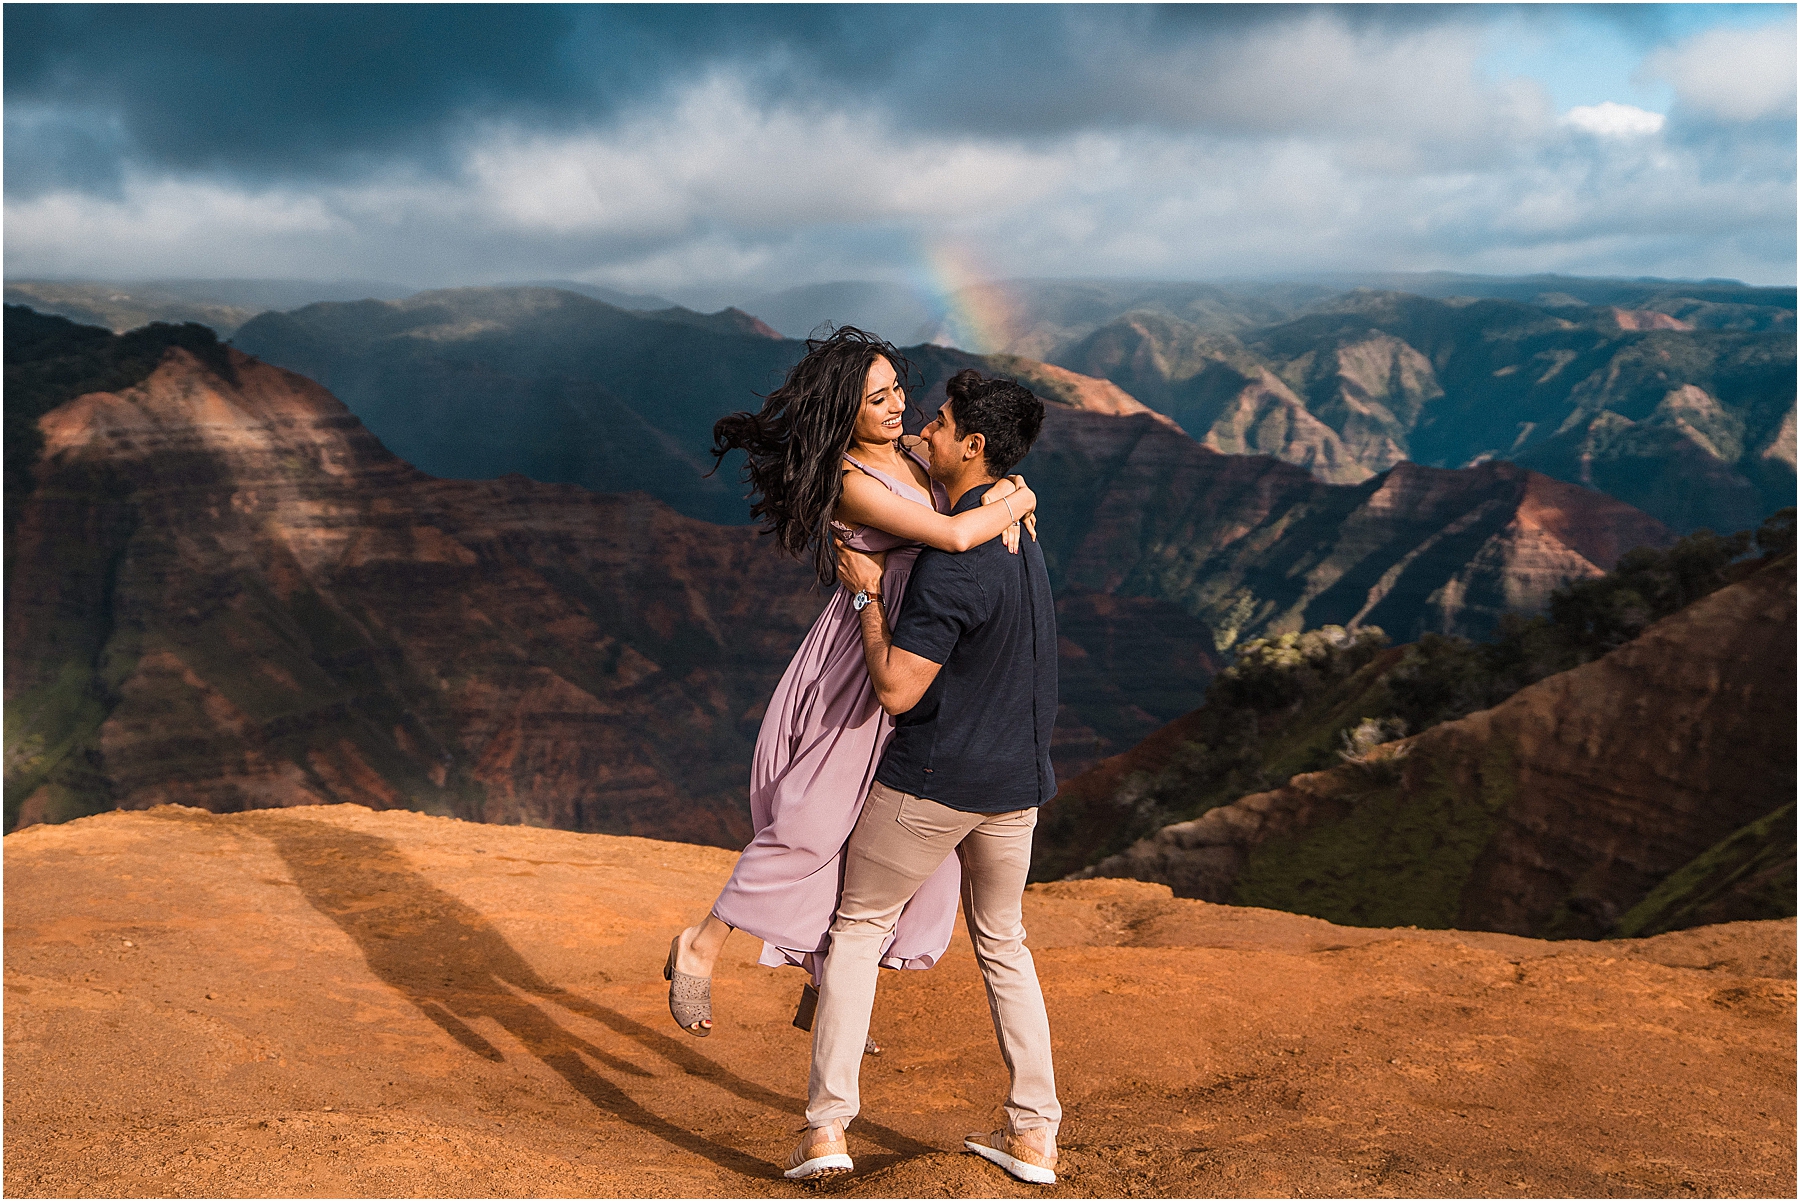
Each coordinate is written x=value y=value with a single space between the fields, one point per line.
x=690 y=997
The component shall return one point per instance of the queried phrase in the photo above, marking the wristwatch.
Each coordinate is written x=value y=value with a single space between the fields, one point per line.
x=863 y=597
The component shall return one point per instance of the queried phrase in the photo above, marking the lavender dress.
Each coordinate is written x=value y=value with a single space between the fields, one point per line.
x=816 y=753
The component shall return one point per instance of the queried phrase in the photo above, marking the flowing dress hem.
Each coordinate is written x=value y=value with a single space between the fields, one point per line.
x=782 y=957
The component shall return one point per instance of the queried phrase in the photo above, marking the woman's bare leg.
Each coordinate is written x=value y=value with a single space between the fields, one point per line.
x=699 y=947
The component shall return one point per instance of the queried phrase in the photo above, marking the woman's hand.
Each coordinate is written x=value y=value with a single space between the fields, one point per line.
x=1023 y=499
x=1018 y=499
x=996 y=493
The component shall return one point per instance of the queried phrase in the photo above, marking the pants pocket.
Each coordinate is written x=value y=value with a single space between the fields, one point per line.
x=927 y=819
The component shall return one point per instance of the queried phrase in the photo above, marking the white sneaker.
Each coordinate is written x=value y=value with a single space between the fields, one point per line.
x=819 y=1155
x=1014 y=1155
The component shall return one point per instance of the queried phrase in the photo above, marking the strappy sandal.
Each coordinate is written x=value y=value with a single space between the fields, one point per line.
x=1014 y=1155
x=825 y=1158
x=809 y=1006
x=690 y=997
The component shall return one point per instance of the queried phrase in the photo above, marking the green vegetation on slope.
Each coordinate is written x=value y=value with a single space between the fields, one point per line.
x=1281 y=709
x=1306 y=702
x=1397 y=859
x=1747 y=874
x=1447 y=678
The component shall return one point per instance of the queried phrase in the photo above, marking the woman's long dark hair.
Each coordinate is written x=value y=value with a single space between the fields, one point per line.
x=796 y=443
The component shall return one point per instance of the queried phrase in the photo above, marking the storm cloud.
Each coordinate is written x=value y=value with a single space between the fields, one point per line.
x=699 y=148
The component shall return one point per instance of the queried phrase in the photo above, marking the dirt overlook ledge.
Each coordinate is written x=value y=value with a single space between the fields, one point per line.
x=337 y=1001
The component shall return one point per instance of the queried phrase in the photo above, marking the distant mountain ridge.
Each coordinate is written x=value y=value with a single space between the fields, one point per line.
x=240 y=519
x=1676 y=396
x=436 y=367
x=472 y=383
x=1038 y=317
x=1694 y=426
x=897 y=312
x=224 y=305
x=599 y=292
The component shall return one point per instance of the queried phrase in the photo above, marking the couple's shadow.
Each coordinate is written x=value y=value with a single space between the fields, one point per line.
x=451 y=963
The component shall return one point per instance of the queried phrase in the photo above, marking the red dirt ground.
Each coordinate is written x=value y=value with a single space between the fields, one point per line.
x=335 y=1001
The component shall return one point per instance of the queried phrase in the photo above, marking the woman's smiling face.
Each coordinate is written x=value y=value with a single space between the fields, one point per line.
x=884 y=401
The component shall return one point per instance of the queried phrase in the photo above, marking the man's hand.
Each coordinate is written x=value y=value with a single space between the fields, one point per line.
x=859 y=571
x=900 y=677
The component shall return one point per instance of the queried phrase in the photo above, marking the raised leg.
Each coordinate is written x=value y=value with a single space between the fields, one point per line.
x=699 y=947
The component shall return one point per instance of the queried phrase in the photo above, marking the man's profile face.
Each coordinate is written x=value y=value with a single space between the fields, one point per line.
x=944 y=450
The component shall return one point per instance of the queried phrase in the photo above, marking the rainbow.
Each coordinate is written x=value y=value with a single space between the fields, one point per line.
x=952 y=278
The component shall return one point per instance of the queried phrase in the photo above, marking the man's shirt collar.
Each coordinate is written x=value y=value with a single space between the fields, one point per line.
x=972 y=498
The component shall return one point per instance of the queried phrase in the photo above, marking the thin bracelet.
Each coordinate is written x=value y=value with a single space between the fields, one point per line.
x=1009 y=512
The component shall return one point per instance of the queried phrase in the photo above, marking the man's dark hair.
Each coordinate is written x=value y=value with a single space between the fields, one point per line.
x=1004 y=412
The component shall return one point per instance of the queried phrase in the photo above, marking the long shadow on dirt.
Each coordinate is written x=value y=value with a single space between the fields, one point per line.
x=454 y=966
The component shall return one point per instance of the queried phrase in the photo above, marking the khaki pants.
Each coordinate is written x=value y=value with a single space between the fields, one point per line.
x=898 y=842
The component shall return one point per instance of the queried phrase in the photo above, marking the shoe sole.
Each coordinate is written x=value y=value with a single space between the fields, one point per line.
x=1018 y=1168
x=820 y=1166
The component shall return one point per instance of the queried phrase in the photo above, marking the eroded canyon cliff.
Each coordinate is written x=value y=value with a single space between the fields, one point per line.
x=1652 y=788
x=1251 y=545
x=1691 y=423
x=224 y=587
x=225 y=591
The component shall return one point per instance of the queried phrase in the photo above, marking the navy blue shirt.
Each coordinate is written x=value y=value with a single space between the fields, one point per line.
x=979 y=739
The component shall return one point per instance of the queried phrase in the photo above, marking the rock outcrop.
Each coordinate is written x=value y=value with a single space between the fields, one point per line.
x=1554 y=813
x=1647 y=319
x=1218 y=392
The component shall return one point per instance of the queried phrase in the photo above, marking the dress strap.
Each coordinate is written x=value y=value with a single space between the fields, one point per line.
x=895 y=485
x=865 y=469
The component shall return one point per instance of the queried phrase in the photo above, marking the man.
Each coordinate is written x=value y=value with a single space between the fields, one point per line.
x=969 y=671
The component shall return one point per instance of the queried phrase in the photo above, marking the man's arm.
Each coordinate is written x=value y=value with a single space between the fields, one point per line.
x=899 y=676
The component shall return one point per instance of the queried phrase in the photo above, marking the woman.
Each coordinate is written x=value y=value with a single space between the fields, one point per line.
x=826 y=461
